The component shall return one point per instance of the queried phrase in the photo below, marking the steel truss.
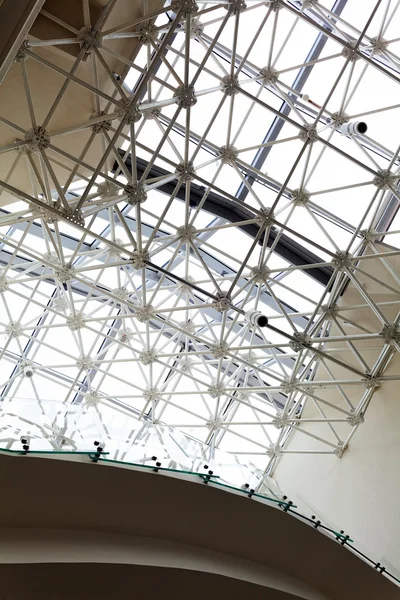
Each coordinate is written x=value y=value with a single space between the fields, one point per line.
x=130 y=283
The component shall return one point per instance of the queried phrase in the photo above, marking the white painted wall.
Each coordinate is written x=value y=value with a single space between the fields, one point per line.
x=360 y=492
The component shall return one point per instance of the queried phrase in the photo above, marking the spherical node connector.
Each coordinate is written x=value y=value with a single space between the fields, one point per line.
x=189 y=327
x=151 y=394
x=260 y=274
x=21 y=54
x=188 y=7
x=274 y=450
x=275 y=5
x=390 y=334
x=77 y=321
x=269 y=75
x=300 y=197
x=300 y=341
x=92 y=398
x=330 y=312
x=288 y=386
x=186 y=233
x=384 y=179
x=121 y=293
x=146 y=32
x=219 y=350
x=89 y=39
x=216 y=390
x=3 y=283
x=223 y=302
x=131 y=114
x=144 y=313
x=196 y=28
x=37 y=139
x=369 y=235
x=280 y=422
x=379 y=45
x=339 y=118
x=125 y=336
x=355 y=420
x=309 y=133
x=151 y=113
x=235 y=6
x=186 y=171
x=350 y=54
x=185 y=96
x=186 y=365
x=85 y=362
x=148 y=357
x=107 y=189
x=249 y=357
x=213 y=424
x=266 y=219
x=371 y=383
x=51 y=257
x=230 y=85
x=135 y=194
x=343 y=261
x=228 y=155
x=13 y=329
x=340 y=449
x=102 y=125
x=60 y=304
x=75 y=217
x=138 y=258
x=64 y=273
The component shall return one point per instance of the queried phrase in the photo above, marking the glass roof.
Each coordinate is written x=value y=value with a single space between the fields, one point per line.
x=243 y=162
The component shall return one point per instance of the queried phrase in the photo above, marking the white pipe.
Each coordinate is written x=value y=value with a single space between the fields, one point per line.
x=256 y=317
x=355 y=128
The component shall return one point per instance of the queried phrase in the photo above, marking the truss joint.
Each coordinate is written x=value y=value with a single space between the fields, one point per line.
x=139 y=258
x=223 y=302
x=308 y=133
x=269 y=75
x=188 y=7
x=340 y=449
x=230 y=85
x=228 y=154
x=144 y=313
x=342 y=261
x=185 y=96
x=89 y=39
x=235 y=6
x=186 y=171
x=300 y=197
x=135 y=194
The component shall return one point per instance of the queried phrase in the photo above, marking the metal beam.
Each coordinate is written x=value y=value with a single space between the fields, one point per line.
x=219 y=206
x=16 y=19
x=285 y=109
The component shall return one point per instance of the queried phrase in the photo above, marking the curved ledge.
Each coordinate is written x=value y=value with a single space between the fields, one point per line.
x=145 y=513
